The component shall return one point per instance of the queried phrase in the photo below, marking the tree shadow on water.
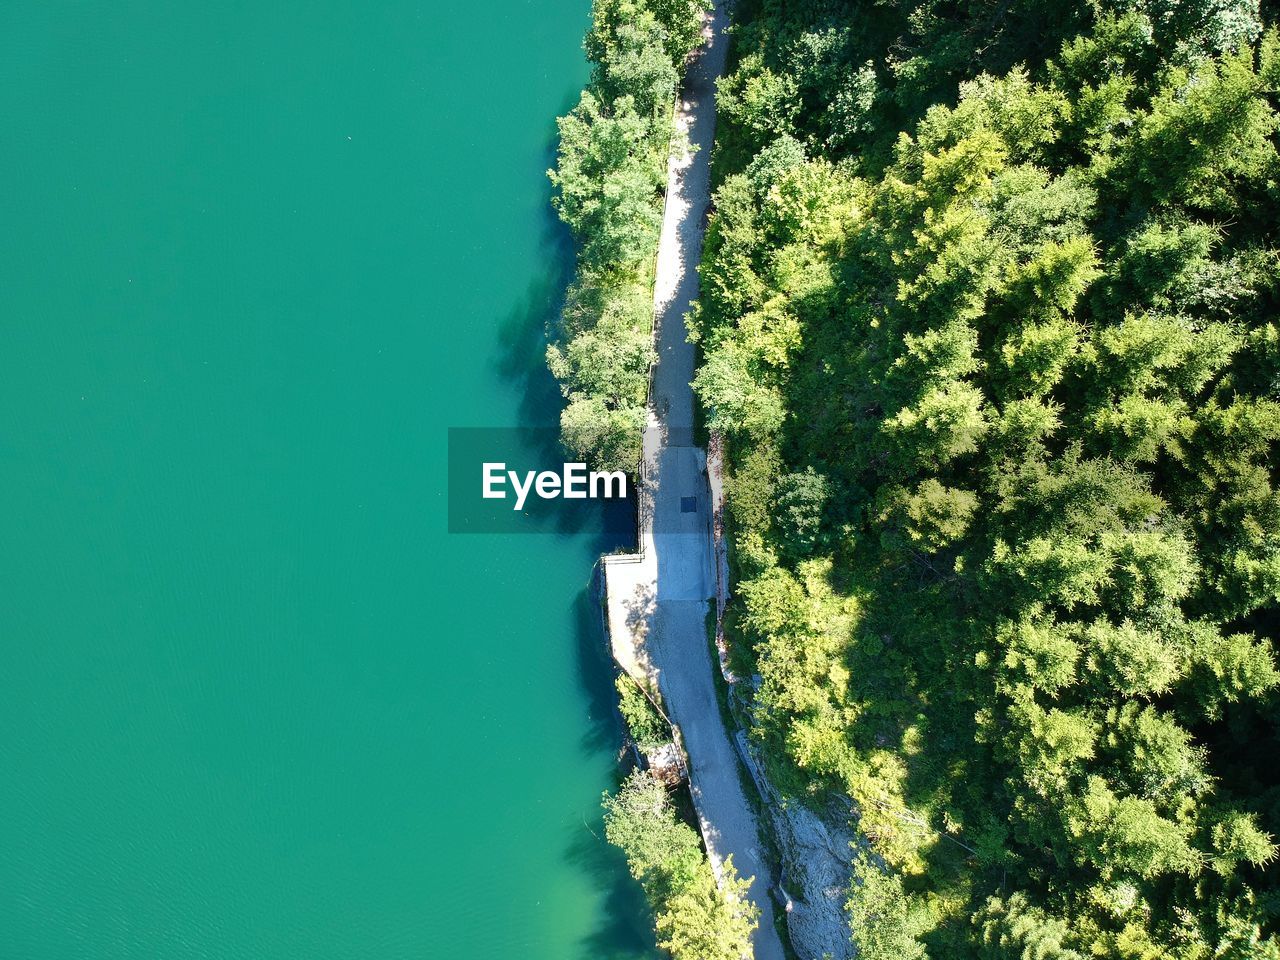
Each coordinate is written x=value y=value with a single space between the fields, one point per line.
x=523 y=332
x=595 y=673
x=625 y=923
x=521 y=363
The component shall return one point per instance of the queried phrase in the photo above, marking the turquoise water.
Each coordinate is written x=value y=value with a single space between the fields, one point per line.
x=255 y=702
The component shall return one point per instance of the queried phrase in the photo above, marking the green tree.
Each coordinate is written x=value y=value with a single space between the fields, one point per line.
x=927 y=518
x=1014 y=929
x=884 y=922
x=607 y=437
x=696 y=919
x=646 y=726
x=1128 y=835
x=663 y=853
x=800 y=501
x=706 y=922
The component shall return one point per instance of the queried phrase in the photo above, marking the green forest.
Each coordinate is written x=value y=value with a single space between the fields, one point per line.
x=988 y=325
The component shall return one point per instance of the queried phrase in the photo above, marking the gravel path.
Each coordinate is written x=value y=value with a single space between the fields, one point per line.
x=658 y=603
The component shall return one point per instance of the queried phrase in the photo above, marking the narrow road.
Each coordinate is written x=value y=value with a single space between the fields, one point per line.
x=658 y=603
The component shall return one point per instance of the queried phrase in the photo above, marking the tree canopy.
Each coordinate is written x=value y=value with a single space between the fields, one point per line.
x=988 y=325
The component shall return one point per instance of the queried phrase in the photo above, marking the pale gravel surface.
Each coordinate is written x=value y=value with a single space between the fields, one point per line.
x=658 y=603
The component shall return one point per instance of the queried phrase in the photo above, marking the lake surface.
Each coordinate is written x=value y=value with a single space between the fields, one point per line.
x=255 y=701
